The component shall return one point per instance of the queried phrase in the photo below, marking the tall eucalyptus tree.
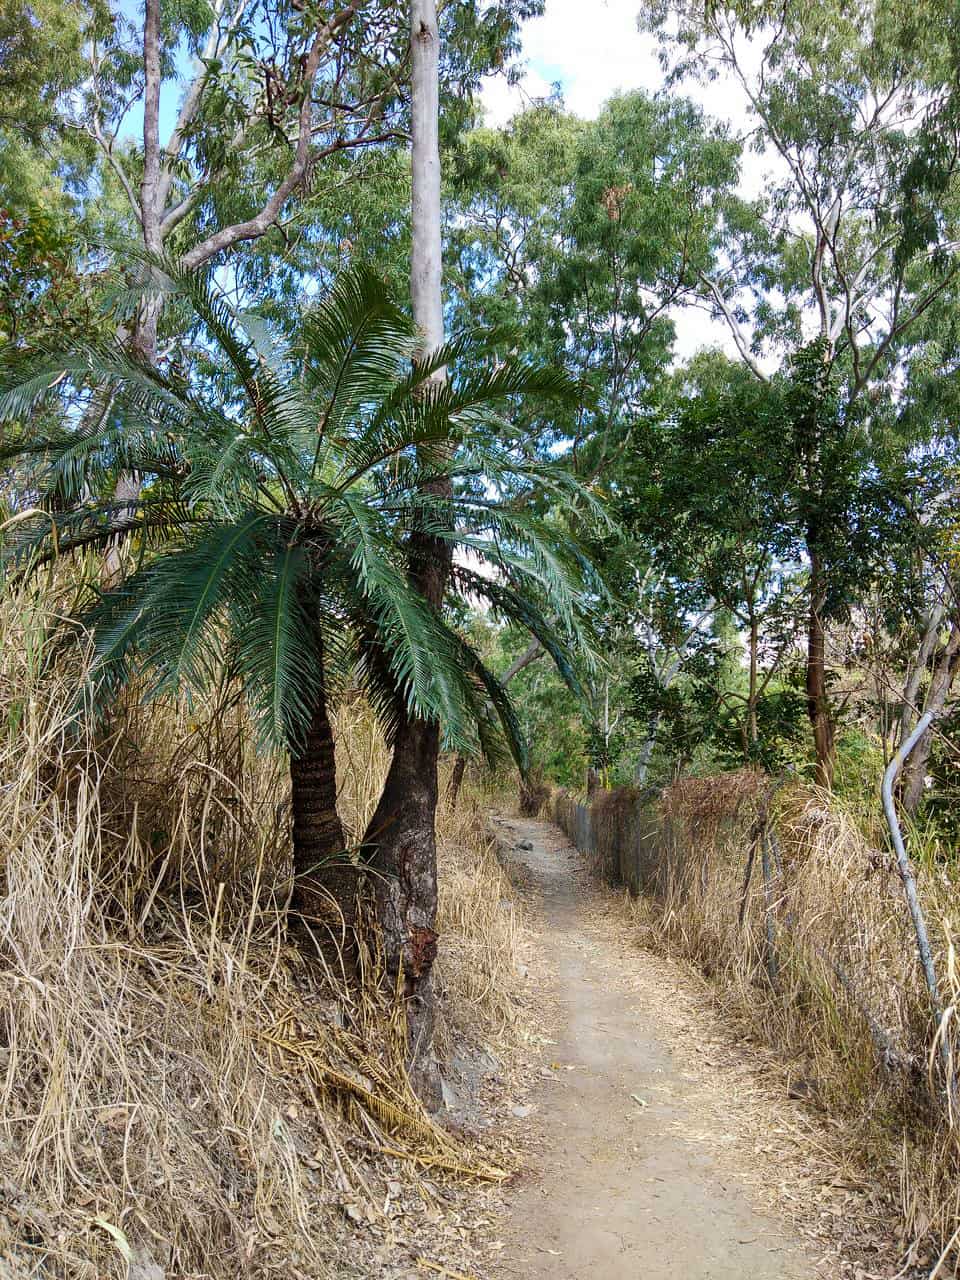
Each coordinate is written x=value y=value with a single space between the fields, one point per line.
x=402 y=831
x=831 y=259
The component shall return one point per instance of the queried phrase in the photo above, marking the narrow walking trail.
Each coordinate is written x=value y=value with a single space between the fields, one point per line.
x=634 y=1172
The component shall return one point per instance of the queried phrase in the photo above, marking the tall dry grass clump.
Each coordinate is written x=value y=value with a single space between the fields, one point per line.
x=796 y=910
x=481 y=928
x=183 y=1092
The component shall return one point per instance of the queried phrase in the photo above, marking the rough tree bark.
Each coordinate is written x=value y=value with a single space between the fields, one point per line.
x=402 y=834
x=322 y=881
x=818 y=702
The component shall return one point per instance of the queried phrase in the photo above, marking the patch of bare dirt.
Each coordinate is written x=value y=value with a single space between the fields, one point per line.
x=659 y=1143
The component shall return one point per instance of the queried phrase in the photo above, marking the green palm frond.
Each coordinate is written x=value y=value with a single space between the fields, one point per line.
x=282 y=488
x=28 y=378
x=276 y=632
x=499 y=700
x=420 y=650
x=511 y=605
x=419 y=416
x=32 y=542
x=164 y=618
x=375 y=679
x=355 y=345
x=544 y=569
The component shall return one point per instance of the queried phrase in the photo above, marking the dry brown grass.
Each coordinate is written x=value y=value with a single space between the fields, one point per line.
x=844 y=999
x=179 y=1084
x=481 y=927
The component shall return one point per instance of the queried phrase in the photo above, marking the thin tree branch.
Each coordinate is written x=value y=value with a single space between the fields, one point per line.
x=216 y=41
x=534 y=651
x=106 y=146
x=737 y=333
x=261 y=222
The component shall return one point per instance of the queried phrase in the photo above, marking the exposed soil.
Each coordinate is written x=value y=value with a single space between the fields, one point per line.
x=654 y=1154
x=651 y=1139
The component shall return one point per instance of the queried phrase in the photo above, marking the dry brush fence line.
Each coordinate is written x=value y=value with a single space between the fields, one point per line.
x=796 y=910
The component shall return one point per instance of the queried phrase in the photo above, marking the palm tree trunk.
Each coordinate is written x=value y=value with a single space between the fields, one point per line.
x=818 y=702
x=324 y=884
x=456 y=779
x=402 y=832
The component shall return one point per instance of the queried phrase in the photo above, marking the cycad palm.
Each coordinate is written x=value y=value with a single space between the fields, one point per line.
x=271 y=525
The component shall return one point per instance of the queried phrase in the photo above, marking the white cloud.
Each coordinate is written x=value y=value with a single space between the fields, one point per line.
x=591 y=53
x=594 y=54
x=594 y=51
x=696 y=330
x=502 y=100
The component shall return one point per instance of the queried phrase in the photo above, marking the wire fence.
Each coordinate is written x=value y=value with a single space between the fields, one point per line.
x=798 y=911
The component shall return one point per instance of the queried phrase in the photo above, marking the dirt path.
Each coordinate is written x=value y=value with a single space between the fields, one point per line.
x=634 y=1176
